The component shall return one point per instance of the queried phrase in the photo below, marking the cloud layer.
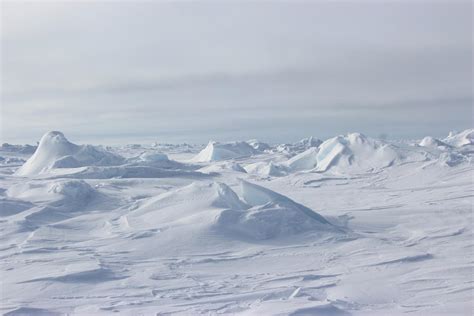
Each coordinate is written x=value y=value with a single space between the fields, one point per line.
x=123 y=71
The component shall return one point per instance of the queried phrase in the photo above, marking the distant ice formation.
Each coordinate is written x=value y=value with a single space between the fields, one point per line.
x=215 y=151
x=461 y=139
x=55 y=151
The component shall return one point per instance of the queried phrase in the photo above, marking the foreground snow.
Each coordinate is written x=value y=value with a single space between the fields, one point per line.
x=351 y=225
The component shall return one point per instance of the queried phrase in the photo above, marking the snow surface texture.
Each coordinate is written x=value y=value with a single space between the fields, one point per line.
x=348 y=226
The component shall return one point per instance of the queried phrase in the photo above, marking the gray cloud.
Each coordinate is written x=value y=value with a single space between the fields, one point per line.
x=277 y=71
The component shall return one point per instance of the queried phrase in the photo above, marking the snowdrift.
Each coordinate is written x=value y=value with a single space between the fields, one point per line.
x=258 y=214
x=215 y=151
x=54 y=201
x=54 y=193
x=55 y=151
x=270 y=215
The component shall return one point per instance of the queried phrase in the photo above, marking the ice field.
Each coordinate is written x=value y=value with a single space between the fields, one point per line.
x=345 y=226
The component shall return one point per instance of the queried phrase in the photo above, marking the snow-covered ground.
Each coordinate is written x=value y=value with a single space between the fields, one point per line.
x=346 y=226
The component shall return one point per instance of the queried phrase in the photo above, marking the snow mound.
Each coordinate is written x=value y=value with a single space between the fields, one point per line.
x=432 y=142
x=58 y=192
x=55 y=151
x=461 y=139
x=215 y=151
x=266 y=169
x=202 y=208
x=194 y=204
x=71 y=189
x=353 y=152
x=271 y=215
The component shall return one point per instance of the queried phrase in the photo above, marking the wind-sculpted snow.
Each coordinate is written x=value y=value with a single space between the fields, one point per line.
x=355 y=151
x=270 y=215
x=341 y=154
x=352 y=153
x=71 y=191
x=350 y=226
x=259 y=214
x=55 y=151
x=215 y=151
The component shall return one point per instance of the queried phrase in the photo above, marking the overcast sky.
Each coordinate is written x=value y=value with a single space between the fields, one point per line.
x=108 y=72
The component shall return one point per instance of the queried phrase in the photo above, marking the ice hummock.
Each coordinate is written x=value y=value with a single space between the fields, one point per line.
x=352 y=152
x=216 y=151
x=432 y=142
x=460 y=139
x=55 y=151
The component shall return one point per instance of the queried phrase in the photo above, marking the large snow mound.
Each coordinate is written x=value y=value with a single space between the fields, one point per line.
x=215 y=151
x=195 y=204
x=258 y=214
x=55 y=151
x=461 y=139
x=353 y=152
x=270 y=215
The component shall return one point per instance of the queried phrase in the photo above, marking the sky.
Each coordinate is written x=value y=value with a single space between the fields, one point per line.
x=175 y=71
